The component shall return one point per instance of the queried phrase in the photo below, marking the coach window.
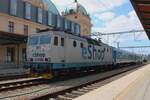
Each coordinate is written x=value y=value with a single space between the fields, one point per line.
x=56 y=41
x=62 y=42
x=13 y=7
x=27 y=10
x=74 y=43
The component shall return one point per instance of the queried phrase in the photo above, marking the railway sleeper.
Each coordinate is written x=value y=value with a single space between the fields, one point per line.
x=78 y=92
x=92 y=86
x=52 y=99
x=63 y=97
x=83 y=90
x=88 y=88
x=71 y=95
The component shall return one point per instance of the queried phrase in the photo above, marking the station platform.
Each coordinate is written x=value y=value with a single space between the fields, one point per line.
x=13 y=72
x=134 y=86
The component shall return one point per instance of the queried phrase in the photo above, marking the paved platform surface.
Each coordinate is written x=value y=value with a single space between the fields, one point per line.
x=17 y=80
x=12 y=72
x=135 y=86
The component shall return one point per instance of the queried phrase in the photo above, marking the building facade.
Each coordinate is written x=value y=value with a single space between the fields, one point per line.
x=18 y=19
x=77 y=13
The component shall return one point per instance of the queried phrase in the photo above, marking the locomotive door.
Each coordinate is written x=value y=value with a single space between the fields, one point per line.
x=63 y=45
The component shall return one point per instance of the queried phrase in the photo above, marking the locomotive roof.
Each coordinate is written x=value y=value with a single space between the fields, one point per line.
x=81 y=38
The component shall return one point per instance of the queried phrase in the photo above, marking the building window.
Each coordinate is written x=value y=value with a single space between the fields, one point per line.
x=56 y=41
x=66 y=24
x=24 y=55
x=77 y=29
x=13 y=7
x=58 y=22
x=11 y=26
x=72 y=27
x=40 y=15
x=10 y=55
x=62 y=42
x=26 y=29
x=50 y=19
x=27 y=10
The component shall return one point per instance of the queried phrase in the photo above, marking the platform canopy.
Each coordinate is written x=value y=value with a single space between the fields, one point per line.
x=142 y=8
x=11 y=38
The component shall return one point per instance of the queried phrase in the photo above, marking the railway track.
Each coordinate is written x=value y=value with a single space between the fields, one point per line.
x=76 y=91
x=60 y=90
x=20 y=84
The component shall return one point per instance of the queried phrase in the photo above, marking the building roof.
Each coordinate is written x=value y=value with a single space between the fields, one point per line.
x=51 y=7
x=76 y=7
x=142 y=8
x=11 y=38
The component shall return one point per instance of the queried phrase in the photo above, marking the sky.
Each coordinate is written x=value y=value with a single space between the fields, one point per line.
x=109 y=16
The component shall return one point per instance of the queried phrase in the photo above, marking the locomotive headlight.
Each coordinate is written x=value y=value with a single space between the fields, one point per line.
x=48 y=59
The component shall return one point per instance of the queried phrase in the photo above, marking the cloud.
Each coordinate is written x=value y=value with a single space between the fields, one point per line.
x=122 y=23
x=92 y=6
x=107 y=16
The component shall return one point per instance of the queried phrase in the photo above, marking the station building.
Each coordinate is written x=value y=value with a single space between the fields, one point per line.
x=77 y=13
x=20 y=18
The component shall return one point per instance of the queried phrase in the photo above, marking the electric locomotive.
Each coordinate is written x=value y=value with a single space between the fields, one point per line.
x=54 y=53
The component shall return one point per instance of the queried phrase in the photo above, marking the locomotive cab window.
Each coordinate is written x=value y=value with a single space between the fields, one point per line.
x=33 y=40
x=45 y=39
x=74 y=43
x=56 y=41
